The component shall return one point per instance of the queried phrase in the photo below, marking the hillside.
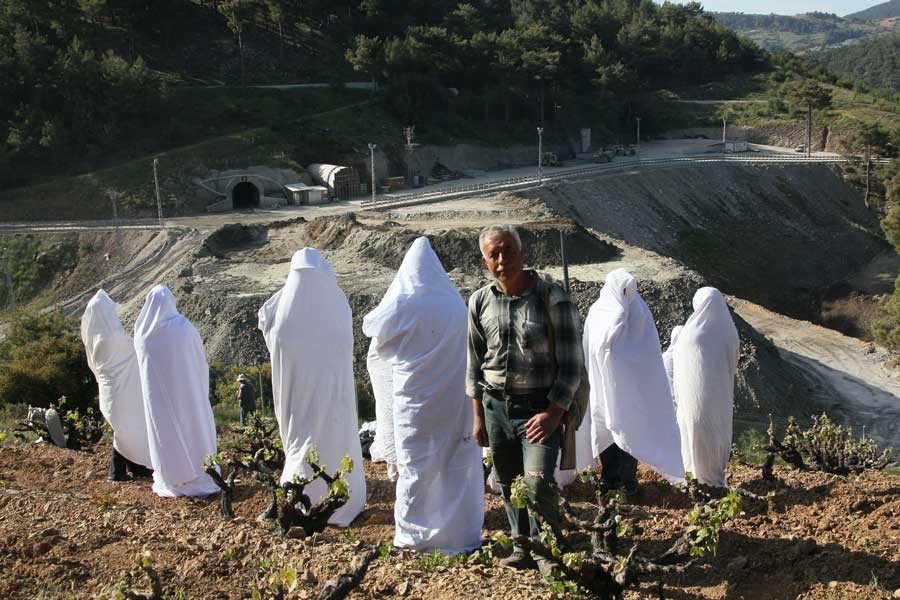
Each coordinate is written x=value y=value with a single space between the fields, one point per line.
x=803 y=33
x=875 y=62
x=885 y=10
x=142 y=72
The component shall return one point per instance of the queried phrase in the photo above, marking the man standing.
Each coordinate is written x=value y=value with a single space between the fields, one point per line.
x=246 y=396
x=524 y=367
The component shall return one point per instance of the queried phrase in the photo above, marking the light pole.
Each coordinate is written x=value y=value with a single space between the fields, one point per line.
x=540 y=79
x=156 y=185
x=540 y=131
x=724 y=129
x=372 y=162
x=638 y=152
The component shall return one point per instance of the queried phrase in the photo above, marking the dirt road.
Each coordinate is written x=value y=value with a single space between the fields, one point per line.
x=842 y=372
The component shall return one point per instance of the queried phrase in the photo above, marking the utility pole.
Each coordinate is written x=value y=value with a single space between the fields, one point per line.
x=808 y=130
x=724 y=125
x=868 y=163
x=372 y=162
x=540 y=131
x=540 y=100
x=638 y=151
x=409 y=132
x=112 y=197
x=565 y=263
x=156 y=185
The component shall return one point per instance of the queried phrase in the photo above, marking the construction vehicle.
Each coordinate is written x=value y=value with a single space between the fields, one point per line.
x=602 y=156
x=550 y=159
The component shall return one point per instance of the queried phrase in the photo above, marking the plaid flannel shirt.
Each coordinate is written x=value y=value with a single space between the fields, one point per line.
x=509 y=346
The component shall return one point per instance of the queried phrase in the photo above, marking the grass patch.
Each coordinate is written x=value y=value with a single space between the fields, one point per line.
x=226 y=414
x=11 y=415
x=750 y=444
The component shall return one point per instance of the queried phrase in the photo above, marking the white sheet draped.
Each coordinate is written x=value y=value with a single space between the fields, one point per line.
x=175 y=384
x=381 y=375
x=420 y=328
x=668 y=356
x=631 y=402
x=704 y=360
x=308 y=329
x=111 y=357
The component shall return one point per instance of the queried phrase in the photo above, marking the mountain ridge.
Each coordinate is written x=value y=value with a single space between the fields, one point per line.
x=885 y=10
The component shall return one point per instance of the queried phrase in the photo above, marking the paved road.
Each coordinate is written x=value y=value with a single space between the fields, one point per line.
x=695 y=151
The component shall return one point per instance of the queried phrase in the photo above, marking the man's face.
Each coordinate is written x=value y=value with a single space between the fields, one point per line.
x=502 y=258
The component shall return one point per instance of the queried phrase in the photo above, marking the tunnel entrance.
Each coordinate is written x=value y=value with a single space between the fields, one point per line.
x=245 y=195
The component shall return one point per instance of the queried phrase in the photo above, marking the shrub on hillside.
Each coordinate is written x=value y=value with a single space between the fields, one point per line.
x=887 y=329
x=41 y=359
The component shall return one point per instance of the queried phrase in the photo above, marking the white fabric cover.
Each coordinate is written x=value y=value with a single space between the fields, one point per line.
x=309 y=332
x=381 y=375
x=705 y=360
x=668 y=356
x=420 y=327
x=631 y=402
x=175 y=384
x=111 y=357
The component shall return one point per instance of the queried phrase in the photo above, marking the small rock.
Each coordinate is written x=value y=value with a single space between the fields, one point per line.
x=42 y=547
x=738 y=563
x=403 y=588
x=832 y=585
x=240 y=538
x=308 y=576
x=897 y=593
x=804 y=548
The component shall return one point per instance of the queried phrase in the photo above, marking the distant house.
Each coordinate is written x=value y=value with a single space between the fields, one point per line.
x=302 y=194
x=342 y=182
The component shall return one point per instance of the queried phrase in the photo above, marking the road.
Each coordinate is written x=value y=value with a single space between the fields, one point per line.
x=690 y=151
x=842 y=374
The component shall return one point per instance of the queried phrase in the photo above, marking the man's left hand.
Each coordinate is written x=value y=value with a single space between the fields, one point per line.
x=541 y=426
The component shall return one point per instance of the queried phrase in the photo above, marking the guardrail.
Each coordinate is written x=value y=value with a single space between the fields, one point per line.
x=597 y=170
x=152 y=223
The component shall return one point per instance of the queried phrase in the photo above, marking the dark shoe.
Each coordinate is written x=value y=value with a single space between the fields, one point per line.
x=519 y=559
x=140 y=471
x=548 y=569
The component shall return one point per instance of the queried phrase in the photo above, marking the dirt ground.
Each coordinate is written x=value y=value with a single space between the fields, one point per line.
x=67 y=533
x=845 y=375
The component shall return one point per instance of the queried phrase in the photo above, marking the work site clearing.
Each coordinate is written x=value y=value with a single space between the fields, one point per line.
x=776 y=238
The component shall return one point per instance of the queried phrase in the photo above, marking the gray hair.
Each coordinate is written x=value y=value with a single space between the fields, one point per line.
x=492 y=231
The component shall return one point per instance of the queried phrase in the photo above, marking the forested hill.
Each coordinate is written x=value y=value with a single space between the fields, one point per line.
x=80 y=80
x=876 y=63
x=815 y=22
x=885 y=10
x=801 y=33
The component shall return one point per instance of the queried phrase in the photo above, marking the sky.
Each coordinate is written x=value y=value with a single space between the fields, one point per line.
x=785 y=7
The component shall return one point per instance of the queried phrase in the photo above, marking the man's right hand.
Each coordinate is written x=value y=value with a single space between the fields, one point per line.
x=479 y=431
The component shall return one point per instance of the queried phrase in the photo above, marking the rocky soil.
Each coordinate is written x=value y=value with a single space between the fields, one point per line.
x=66 y=533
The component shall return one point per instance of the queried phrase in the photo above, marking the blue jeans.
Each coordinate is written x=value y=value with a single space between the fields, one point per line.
x=514 y=455
x=245 y=412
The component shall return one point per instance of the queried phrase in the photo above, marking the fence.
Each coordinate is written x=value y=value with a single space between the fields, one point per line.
x=515 y=183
